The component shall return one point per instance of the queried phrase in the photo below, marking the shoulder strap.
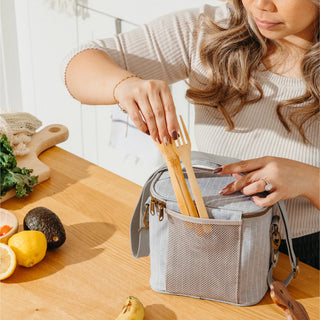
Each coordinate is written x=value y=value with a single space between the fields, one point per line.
x=274 y=252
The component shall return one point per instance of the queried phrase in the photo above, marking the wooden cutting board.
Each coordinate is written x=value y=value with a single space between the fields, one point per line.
x=46 y=138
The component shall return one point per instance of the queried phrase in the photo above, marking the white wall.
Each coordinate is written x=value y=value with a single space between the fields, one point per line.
x=44 y=38
x=142 y=11
x=10 y=87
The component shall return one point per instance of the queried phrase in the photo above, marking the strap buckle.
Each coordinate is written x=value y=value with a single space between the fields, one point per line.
x=296 y=270
x=275 y=238
x=145 y=219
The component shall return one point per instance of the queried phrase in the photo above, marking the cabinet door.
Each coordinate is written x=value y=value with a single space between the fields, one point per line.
x=109 y=138
x=95 y=120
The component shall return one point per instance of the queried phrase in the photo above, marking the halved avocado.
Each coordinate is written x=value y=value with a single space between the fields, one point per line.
x=44 y=220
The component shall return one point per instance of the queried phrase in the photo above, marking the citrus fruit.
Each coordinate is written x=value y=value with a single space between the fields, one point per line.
x=29 y=246
x=4 y=230
x=8 y=261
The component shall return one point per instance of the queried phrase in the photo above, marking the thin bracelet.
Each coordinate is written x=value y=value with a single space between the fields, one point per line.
x=116 y=86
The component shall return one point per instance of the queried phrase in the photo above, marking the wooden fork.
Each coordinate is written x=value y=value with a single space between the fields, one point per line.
x=178 y=181
x=182 y=148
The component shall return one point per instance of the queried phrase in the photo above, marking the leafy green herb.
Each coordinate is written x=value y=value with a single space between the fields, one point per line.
x=7 y=159
x=11 y=176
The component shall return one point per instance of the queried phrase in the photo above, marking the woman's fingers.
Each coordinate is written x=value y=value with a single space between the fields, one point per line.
x=268 y=201
x=159 y=116
x=253 y=188
x=282 y=178
x=248 y=186
x=243 y=166
x=170 y=112
x=248 y=182
x=133 y=110
x=157 y=113
x=148 y=117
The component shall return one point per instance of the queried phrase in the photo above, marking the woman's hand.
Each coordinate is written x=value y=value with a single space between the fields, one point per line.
x=289 y=179
x=93 y=78
x=150 y=106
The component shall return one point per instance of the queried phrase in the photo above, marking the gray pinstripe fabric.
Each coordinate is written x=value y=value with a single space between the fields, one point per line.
x=230 y=263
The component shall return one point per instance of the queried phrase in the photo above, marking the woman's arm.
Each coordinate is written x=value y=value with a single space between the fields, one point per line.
x=150 y=52
x=91 y=76
x=289 y=179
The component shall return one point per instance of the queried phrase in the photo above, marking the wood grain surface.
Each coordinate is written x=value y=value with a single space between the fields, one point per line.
x=90 y=276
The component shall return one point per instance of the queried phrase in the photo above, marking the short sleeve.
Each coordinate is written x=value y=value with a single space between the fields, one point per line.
x=163 y=49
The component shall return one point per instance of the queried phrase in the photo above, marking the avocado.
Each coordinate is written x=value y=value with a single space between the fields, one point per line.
x=44 y=220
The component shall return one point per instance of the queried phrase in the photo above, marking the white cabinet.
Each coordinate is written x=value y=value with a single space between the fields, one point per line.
x=44 y=36
x=97 y=125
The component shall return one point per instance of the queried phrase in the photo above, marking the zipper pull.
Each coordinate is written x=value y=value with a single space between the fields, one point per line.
x=152 y=204
x=161 y=211
x=161 y=206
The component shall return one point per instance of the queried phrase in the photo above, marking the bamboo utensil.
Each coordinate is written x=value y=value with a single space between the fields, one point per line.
x=182 y=148
x=178 y=181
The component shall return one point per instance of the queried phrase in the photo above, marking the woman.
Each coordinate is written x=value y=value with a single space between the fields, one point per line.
x=251 y=65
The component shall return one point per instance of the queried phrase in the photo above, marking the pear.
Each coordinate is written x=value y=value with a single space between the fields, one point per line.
x=132 y=310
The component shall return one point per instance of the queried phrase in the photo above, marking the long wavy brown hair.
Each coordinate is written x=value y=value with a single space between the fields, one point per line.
x=230 y=55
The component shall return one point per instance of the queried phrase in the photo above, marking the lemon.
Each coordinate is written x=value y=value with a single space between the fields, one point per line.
x=29 y=246
x=8 y=261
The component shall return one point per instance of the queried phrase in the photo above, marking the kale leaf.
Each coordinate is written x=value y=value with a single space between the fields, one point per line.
x=7 y=159
x=11 y=176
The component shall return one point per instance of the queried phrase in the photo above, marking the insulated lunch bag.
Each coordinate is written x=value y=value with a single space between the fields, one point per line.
x=228 y=257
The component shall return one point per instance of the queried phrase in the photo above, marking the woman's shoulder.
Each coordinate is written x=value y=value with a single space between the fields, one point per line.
x=219 y=14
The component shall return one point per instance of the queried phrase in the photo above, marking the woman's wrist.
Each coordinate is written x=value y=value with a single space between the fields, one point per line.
x=119 y=83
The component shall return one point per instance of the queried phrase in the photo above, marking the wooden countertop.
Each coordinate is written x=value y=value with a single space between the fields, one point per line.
x=90 y=276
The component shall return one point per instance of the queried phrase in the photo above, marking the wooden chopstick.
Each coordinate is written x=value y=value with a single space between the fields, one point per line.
x=178 y=181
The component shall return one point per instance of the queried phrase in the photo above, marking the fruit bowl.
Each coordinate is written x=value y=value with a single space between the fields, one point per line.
x=8 y=218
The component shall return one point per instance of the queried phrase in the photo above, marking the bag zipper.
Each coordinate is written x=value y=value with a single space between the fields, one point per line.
x=161 y=201
x=160 y=204
x=150 y=207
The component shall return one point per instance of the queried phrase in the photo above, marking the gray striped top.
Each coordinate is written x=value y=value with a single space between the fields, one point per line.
x=166 y=49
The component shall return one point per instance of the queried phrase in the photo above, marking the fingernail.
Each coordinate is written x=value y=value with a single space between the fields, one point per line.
x=253 y=198
x=157 y=139
x=224 y=191
x=166 y=141
x=174 y=135
x=217 y=170
x=148 y=132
